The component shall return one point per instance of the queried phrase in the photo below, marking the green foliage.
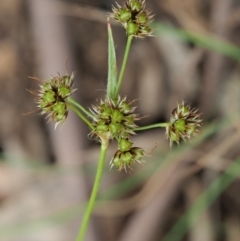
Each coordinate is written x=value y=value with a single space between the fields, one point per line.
x=112 y=66
x=134 y=17
x=218 y=186
x=202 y=40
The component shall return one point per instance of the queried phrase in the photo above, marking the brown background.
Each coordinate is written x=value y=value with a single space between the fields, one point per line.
x=46 y=173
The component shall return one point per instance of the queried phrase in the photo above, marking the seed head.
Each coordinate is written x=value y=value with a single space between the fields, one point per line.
x=134 y=18
x=114 y=117
x=126 y=155
x=52 y=97
x=184 y=123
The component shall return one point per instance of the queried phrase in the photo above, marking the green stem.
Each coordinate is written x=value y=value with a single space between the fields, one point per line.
x=152 y=126
x=120 y=78
x=92 y=199
x=74 y=102
x=81 y=116
x=117 y=138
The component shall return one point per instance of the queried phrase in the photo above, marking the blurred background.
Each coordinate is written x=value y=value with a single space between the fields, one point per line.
x=190 y=192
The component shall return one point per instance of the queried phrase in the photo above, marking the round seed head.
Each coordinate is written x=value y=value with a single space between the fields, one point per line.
x=49 y=97
x=142 y=18
x=180 y=125
x=115 y=127
x=127 y=158
x=136 y=6
x=102 y=128
x=132 y=28
x=117 y=116
x=64 y=91
x=124 y=15
x=125 y=145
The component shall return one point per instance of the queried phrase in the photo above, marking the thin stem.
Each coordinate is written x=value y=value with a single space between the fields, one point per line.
x=120 y=78
x=96 y=185
x=116 y=137
x=81 y=116
x=152 y=126
x=74 y=102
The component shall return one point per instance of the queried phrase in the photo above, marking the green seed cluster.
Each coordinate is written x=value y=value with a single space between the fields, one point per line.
x=134 y=18
x=126 y=155
x=184 y=123
x=115 y=119
x=52 y=97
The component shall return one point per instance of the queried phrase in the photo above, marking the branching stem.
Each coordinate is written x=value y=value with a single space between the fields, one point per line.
x=74 y=102
x=81 y=116
x=93 y=196
x=152 y=126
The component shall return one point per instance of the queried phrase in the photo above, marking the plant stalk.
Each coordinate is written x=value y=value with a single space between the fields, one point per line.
x=120 y=78
x=152 y=126
x=93 y=196
x=74 y=102
x=81 y=116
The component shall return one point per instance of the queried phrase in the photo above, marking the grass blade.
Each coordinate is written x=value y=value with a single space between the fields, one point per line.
x=206 y=41
x=219 y=185
x=112 y=65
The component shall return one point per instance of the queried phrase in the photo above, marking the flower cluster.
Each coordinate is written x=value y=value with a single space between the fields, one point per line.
x=115 y=119
x=184 y=123
x=52 y=97
x=126 y=155
x=134 y=18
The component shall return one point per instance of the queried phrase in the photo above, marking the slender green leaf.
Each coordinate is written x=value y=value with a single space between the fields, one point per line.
x=218 y=186
x=112 y=65
x=206 y=41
